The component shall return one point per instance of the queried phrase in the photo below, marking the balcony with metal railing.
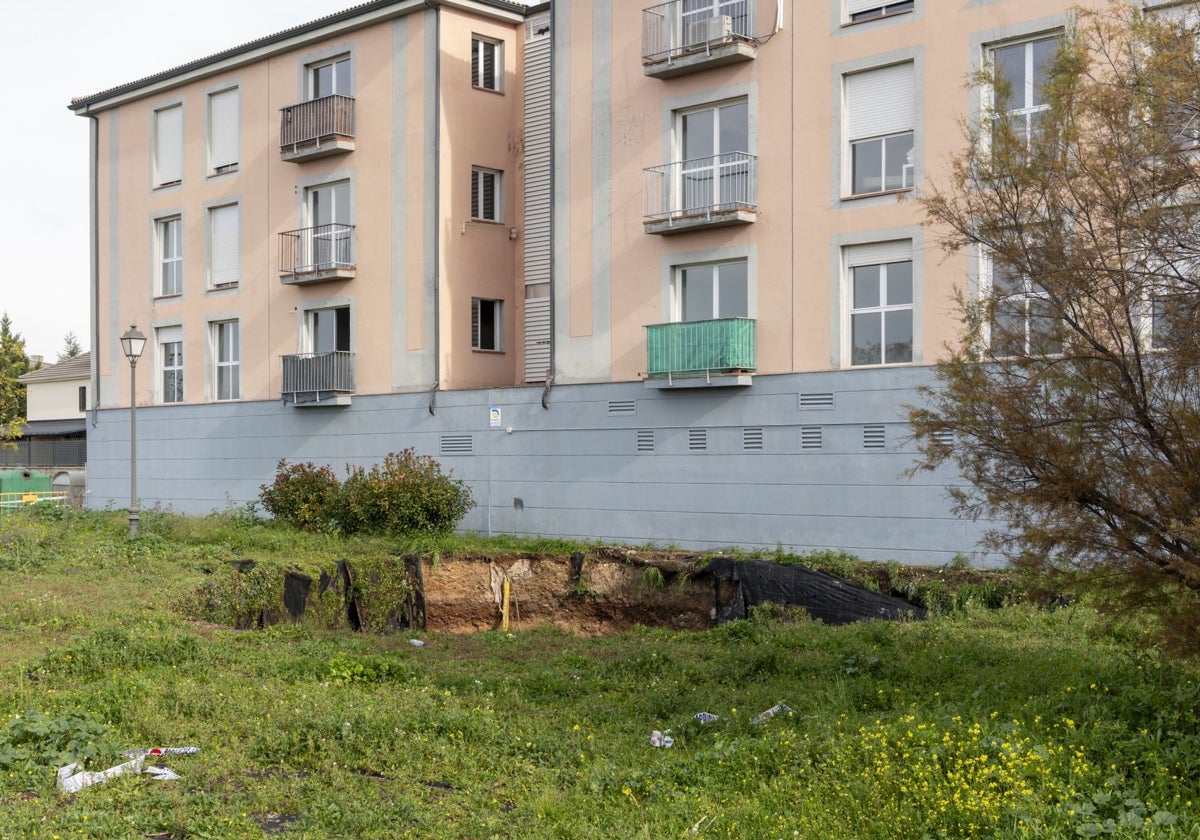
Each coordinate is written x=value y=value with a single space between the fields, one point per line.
x=684 y=36
x=317 y=254
x=700 y=353
x=316 y=129
x=706 y=192
x=318 y=379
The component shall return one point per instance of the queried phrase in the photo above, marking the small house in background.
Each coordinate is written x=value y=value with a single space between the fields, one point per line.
x=54 y=437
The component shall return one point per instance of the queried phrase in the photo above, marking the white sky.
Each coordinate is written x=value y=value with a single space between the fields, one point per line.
x=72 y=48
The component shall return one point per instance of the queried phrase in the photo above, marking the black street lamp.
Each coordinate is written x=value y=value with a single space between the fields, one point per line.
x=132 y=344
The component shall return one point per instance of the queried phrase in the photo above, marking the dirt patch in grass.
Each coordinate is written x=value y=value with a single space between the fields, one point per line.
x=602 y=594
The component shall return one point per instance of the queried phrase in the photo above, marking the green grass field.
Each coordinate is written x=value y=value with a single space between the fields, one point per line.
x=1015 y=722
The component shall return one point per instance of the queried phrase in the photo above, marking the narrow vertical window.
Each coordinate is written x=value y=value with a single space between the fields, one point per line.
x=879 y=123
x=487 y=324
x=487 y=63
x=168 y=146
x=224 y=234
x=83 y=398
x=170 y=364
x=223 y=131
x=227 y=356
x=169 y=245
x=486 y=195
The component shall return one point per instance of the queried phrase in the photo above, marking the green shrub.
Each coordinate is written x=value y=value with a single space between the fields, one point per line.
x=407 y=493
x=301 y=494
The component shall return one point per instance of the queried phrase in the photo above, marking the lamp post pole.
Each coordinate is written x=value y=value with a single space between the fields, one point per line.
x=132 y=344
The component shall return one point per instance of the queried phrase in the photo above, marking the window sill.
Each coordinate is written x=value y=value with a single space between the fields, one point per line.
x=880 y=365
x=496 y=91
x=223 y=287
x=857 y=196
x=231 y=169
x=494 y=222
x=168 y=185
x=174 y=296
x=489 y=352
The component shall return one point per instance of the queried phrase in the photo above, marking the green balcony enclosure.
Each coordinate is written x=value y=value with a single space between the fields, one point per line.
x=699 y=348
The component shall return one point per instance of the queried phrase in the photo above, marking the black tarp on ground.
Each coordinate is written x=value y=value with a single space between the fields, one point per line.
x=831 y=599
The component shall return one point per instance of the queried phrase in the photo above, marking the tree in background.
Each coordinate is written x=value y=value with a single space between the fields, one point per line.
x=71 y=347
x=1072 y=401
x=13 y=363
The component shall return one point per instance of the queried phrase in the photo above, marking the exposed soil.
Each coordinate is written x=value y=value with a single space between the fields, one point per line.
x=608 y=592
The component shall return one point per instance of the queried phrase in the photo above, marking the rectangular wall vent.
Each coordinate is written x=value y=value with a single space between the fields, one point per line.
x=822 y=400
x=810 y=437
x=752 y=440
x=457 y=445
x=944 y=437
x=697 y=440
x=645 y=440
x=874 y=436
x=618 y=408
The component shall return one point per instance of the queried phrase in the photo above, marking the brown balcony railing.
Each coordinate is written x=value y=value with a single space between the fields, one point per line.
x=309 y=123
x=316 y=249
x=314 y=377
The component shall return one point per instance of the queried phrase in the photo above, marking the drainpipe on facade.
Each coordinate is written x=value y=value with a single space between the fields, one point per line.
x=437 y=209
x=94 y=198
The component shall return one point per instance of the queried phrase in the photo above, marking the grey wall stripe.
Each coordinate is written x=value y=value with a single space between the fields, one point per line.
x=400 y=373
x=429 y=349
x=109 y=384
x=601 y=350
x=561 y=274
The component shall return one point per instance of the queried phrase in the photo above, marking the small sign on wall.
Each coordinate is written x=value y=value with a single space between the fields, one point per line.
x=494 y=417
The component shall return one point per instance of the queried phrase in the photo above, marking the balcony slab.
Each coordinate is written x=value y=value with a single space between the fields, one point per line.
x=324 y=147
x=718 y=380
x=700 y=221
x=701 y=57
x=321 y=275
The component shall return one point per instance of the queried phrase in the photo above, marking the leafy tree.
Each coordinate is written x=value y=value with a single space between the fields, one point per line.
x=13 y=363
x=71 y=347
x=1071 y=402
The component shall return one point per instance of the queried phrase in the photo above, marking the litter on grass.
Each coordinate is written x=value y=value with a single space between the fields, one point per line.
x=74 y=778
x=777 y=709
x=661 y=739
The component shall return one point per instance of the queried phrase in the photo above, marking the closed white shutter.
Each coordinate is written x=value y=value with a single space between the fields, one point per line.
x=877 y=253
x=223 y=114
x=475 y=323
x=537 y=338
x=168 y=145
x=225 y=225
x=853 y=7
x=880 y=101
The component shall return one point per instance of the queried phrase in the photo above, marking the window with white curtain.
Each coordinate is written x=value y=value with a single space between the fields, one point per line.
x=168 y=146
x=224 y=233
x=224 y=129
x=879 y=126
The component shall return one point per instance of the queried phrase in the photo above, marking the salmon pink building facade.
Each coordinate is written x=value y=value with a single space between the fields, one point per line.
x=637 y=272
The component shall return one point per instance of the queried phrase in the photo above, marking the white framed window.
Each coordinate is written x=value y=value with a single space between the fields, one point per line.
x=326 y=330
x=330 y=76
x=880 y=296
x=169 y=356
x=860 y=10
x=713 y=150
x=487 y=195
x=226 y=351
x=1022 y=321
x=224 y=246
x=879 y=128
x=1022 y=69
x=168 y=146
x=487 y=63
x=168 y=245
x=487 y=324
x=329 y=241
x=707 y=291
x=224 y=131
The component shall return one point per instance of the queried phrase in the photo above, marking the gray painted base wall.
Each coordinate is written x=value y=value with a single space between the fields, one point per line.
x=614 y=462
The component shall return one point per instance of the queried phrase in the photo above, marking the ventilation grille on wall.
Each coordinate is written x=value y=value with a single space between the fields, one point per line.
x=810 y=437
x=457 y=445
x=824 y=400
x=944 y=437
x=874 y=436
x=752 y=440
x=697 y=440
x=645 y=440
x=617 y=408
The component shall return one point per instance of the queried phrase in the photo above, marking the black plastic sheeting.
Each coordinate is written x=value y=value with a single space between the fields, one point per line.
x=823 y=596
